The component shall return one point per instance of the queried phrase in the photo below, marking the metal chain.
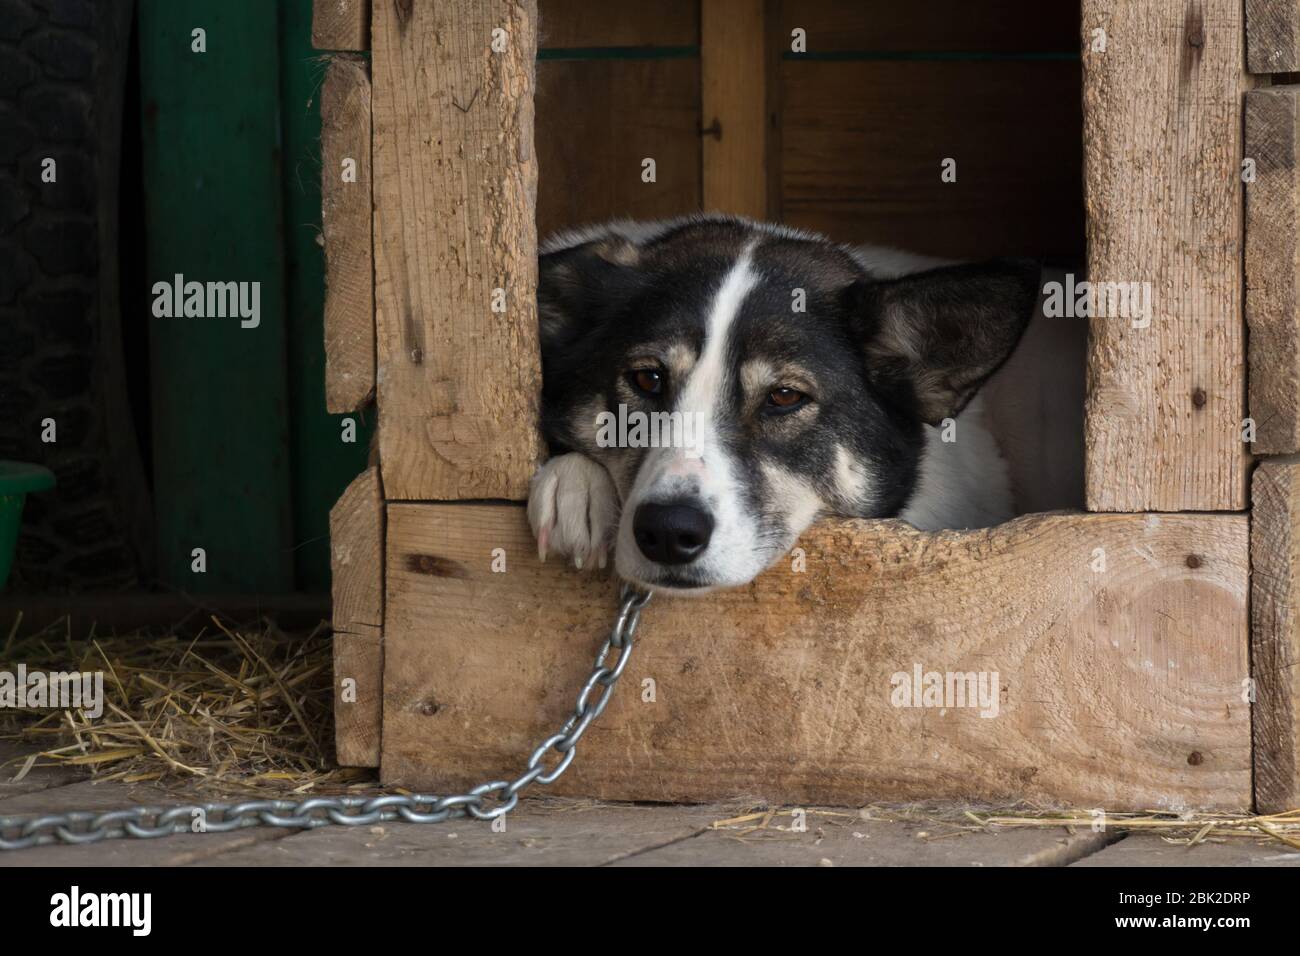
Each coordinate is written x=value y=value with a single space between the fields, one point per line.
x=86 y=826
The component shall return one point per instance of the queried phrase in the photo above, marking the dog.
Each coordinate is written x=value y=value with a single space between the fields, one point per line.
x=794 y=378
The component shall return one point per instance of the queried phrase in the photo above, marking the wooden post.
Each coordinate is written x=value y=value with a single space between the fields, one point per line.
x=456 y=247
x=1272 y=266
x=1273 y=36
x=1275 y=632
x=357 y=552
x=346 y=223
x=739 y=86
x=340 y=25
x=1162 y=154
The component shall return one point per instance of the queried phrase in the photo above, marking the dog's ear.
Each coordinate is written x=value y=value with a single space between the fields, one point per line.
x=941 y=333
x=577 y=286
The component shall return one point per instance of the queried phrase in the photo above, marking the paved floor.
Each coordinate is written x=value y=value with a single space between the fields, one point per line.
x=577 y=833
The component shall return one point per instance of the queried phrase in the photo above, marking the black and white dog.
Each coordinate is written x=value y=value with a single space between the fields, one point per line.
x=797 y=377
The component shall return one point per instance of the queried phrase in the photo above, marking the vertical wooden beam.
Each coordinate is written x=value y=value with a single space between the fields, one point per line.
x=738 y=95
x=1273 y=36
x=357 y=553
x=341 y=25
x=1162 y=153
x=1272 y=264
x=456 y=247
x=1275 y=632
x=346 y=223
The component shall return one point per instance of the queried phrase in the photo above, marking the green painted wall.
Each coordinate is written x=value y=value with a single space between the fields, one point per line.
x=246 y=461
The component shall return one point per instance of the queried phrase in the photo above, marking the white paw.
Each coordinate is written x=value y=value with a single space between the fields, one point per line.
x=573 y=508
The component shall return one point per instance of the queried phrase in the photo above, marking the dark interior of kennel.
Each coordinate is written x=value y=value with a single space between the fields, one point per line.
x=859 y=127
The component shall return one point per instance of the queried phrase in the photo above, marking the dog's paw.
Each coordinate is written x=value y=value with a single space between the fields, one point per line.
x=573 y=508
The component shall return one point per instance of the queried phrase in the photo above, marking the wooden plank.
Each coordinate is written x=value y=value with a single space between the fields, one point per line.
x=556 y=833
x=340 y=25
x=840 y=839
x=346 y=222
x=1150 y=850
x=1272 y=264
x=947 y=26
x=864 y=142
x=1120 y=688
x=581 y=24
x=561 y=832
x=1273 y=36
x=1275 y=632
x=1162 y=155
x=733 y=89
x=455 y=195
x=597 y=120
x=357 y=548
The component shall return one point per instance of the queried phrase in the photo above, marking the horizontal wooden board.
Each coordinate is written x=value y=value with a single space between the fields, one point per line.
x=1119 y=688
x=566 y=24
x=597 y=120
x=864 y=143
x=990 y=26
x=1273 y=267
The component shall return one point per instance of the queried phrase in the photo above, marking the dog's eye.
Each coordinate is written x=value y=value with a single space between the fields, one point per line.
x=785 y=399
x=648 y=381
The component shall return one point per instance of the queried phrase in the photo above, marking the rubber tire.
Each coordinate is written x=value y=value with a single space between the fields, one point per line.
x=62 y=77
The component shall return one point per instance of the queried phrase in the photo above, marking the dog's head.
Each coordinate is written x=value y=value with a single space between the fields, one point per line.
x=737 y=381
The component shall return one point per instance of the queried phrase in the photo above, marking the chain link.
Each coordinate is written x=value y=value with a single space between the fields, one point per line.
x=487 y=801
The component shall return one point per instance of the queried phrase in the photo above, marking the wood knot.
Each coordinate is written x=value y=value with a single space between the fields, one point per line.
x=1199 y=398
x=1196 y=38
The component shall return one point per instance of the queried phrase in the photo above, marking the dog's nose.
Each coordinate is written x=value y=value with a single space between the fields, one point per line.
x=672 y=533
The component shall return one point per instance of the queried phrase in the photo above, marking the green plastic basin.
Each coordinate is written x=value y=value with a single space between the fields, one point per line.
x=16 y=480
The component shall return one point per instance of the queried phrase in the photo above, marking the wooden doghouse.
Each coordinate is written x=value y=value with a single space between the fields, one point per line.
x=1138 y=640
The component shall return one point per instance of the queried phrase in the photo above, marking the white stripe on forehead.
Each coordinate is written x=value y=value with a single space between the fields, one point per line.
x=709 y=376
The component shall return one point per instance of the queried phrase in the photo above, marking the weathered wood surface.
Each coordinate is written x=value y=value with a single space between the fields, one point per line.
x=581 y=24
x=1273 y=267
x=864 y=141
x=1120 y=688
x=1273 y=36
x=1162 y=155
x=734 y=88
x=598 y=120
x=947 y=26
x=455 y=237
x=1275 y=632
x=340 y=25
x=357 y=552
x=346 y=222
x=1150 y=850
